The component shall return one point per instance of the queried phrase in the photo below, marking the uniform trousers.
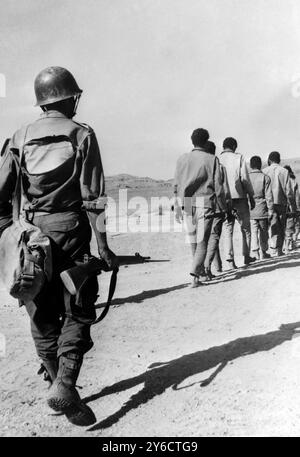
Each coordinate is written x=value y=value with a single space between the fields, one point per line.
x=61 y=323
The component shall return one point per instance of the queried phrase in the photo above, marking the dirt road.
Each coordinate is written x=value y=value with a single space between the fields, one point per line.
x=220 y=360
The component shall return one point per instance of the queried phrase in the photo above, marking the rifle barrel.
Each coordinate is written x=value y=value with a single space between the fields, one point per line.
x=132 y=259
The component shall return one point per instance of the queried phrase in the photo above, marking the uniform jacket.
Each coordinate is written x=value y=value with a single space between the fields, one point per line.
x=198 y=179
x=237 y=174
x=62 y=166
x=282 y=191
x=263 y=196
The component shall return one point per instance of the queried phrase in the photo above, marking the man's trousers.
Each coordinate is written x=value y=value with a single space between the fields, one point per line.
x=243 y=217
x=277 y=227
x=198 y=229
x=259 y=234
x=59 y=322
x=213 y=252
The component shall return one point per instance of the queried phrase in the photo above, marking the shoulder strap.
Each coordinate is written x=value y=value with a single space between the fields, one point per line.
x=17 y=196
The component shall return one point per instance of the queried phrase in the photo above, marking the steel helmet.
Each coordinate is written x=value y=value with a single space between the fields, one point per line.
x=54 y=84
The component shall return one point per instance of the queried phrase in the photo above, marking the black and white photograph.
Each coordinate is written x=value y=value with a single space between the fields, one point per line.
x=149 y=221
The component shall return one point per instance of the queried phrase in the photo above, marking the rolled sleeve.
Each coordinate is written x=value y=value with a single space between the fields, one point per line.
x=92 y=183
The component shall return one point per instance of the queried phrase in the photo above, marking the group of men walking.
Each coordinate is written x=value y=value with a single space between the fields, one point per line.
x=213 y=192
x=59 y=165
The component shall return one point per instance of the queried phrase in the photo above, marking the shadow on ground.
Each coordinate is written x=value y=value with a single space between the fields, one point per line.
x=140 y=297
x=265 y=266
x=163 y=375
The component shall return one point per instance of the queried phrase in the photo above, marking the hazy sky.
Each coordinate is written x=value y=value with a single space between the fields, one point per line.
x=153 y=70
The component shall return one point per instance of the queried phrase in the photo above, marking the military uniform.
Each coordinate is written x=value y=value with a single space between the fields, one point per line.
x=62 y=178
x=63 y=193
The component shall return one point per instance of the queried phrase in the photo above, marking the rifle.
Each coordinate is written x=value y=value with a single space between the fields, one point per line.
x=74 y=278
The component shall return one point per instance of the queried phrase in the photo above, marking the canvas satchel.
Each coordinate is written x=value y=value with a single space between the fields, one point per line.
x=25 y=252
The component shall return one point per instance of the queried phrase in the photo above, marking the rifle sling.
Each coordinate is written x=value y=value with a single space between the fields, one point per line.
x=112 y=288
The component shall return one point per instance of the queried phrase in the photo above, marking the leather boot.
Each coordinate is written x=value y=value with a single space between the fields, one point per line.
x=49 y=369
x=63 y=396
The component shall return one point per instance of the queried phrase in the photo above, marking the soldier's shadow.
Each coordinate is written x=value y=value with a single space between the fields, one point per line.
x=163 y=375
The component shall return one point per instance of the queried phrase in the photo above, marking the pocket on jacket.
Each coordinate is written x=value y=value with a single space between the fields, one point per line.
x=60 y=222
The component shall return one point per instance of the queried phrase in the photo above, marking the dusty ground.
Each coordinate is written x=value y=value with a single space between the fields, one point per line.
x=220 y=360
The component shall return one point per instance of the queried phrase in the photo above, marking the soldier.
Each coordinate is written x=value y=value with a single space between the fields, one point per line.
x=63 y=186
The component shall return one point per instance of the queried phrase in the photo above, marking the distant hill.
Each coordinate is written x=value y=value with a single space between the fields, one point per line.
x=126 y=181
x=138 y=185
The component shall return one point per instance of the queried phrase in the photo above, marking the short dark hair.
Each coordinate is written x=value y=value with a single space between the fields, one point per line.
x=199 y=137
x=230 y=143
x=210 y=147
x=274 y=157
x=255 y=162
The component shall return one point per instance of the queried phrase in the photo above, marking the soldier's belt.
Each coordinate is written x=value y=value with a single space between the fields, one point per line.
x=93 y=205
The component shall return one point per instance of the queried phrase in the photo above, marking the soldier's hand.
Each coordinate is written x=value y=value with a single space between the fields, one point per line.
x=109 y=258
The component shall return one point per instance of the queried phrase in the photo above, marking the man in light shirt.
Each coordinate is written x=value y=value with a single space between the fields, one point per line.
x=241 y=191
x=283 y=197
